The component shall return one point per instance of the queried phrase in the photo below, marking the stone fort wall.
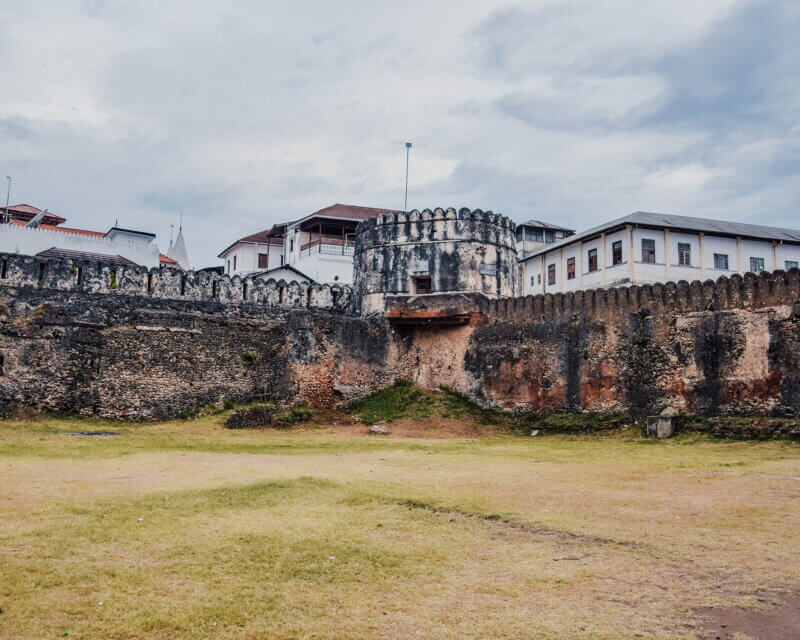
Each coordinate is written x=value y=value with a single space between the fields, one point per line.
x=725 y=346
x=113 y=342
x=166 y=283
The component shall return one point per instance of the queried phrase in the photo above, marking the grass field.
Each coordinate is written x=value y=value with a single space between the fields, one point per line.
x=188 y=530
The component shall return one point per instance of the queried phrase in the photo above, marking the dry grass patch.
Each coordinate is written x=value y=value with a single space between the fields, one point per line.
x=325 y=534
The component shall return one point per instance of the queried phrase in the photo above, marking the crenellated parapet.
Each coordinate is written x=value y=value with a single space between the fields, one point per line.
x=436 y=225
x=750 y=291
x=434 y=251
x=167 y=283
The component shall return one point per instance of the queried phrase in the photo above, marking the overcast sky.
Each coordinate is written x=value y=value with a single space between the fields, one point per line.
x=247 y=113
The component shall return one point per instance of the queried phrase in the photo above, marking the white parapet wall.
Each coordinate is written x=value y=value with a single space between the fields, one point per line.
x=30 y=242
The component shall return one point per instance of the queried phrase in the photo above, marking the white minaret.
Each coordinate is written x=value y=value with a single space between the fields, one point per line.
x=178 y=251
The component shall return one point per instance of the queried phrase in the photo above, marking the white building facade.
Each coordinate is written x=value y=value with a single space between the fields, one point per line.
x=535 y=234
x=254 y=253
x=645 y=248
x=318 y=247
x=49 y=237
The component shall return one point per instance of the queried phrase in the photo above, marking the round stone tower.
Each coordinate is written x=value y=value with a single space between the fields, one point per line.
x=434 y=252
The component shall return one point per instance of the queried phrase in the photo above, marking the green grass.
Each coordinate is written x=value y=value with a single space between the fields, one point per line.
x=187 y=530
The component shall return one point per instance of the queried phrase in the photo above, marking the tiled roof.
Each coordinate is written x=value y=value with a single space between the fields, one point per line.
x=350 y=211
x=166 y=259
x=51 y=227
x=31 y=211
x=262 y=237
x=55 y=252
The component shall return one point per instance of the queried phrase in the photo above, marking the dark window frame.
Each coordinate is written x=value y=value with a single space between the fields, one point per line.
x=426 y=284
x=592 y=260
x=551 y=274
x=684 y=254
x=648 y=251
x=616 y=253
x=570 y=268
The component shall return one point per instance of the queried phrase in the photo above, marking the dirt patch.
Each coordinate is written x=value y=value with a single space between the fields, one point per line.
x=780 y=623
x=518 y=526
x=438 y=428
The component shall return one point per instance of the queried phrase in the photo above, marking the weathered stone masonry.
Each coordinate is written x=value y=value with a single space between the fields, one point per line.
x=730 y=346
x=102 y=344
x=456 y=251
x=110 y=343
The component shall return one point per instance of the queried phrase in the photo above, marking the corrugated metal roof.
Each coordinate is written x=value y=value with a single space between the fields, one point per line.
x=680 y=223
x=543 y=225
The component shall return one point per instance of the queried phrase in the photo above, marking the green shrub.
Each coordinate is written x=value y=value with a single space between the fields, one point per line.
x=299 y=413
x=248 y=358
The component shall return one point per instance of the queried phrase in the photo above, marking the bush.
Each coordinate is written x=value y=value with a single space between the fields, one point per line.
x=250 y=418
x=248 y=358
x=299 y=413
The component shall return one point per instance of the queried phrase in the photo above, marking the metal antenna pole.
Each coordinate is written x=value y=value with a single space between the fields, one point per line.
x=7 y=216
x=405 y=202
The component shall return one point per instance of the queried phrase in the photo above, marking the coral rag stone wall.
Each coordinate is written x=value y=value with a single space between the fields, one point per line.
x=166 y=283
x=140 y=358
x=461 y=251
x=731 y=346
x=153 y=344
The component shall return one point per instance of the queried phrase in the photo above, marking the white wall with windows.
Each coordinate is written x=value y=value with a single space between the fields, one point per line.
x=328 y=258
x=530 y=238
x=243 y=259
x=659 y=255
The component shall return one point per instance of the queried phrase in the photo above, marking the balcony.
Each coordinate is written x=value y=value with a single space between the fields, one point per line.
x=328 y=246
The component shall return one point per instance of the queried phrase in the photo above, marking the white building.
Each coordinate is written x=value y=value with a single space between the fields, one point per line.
x=28 y=230
x=254 y=253
x=645 y=248
x=535 y=234
x=318 y=247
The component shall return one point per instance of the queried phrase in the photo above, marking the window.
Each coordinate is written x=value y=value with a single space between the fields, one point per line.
x=549 y=236
x=649 y=250
x=229 y=266
x=721 y=261
x=535 y=235
x=538 y=278
x=616 y=252
x=533 y=280
x=790 y=264
x=570 y=268
x=422 y=284
x=592 y=260
x=234 y=263
x=551 y=274
x=756 y=265
x=684 y=254
x=291 y=245
x=262 y=260
x=281 y=259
